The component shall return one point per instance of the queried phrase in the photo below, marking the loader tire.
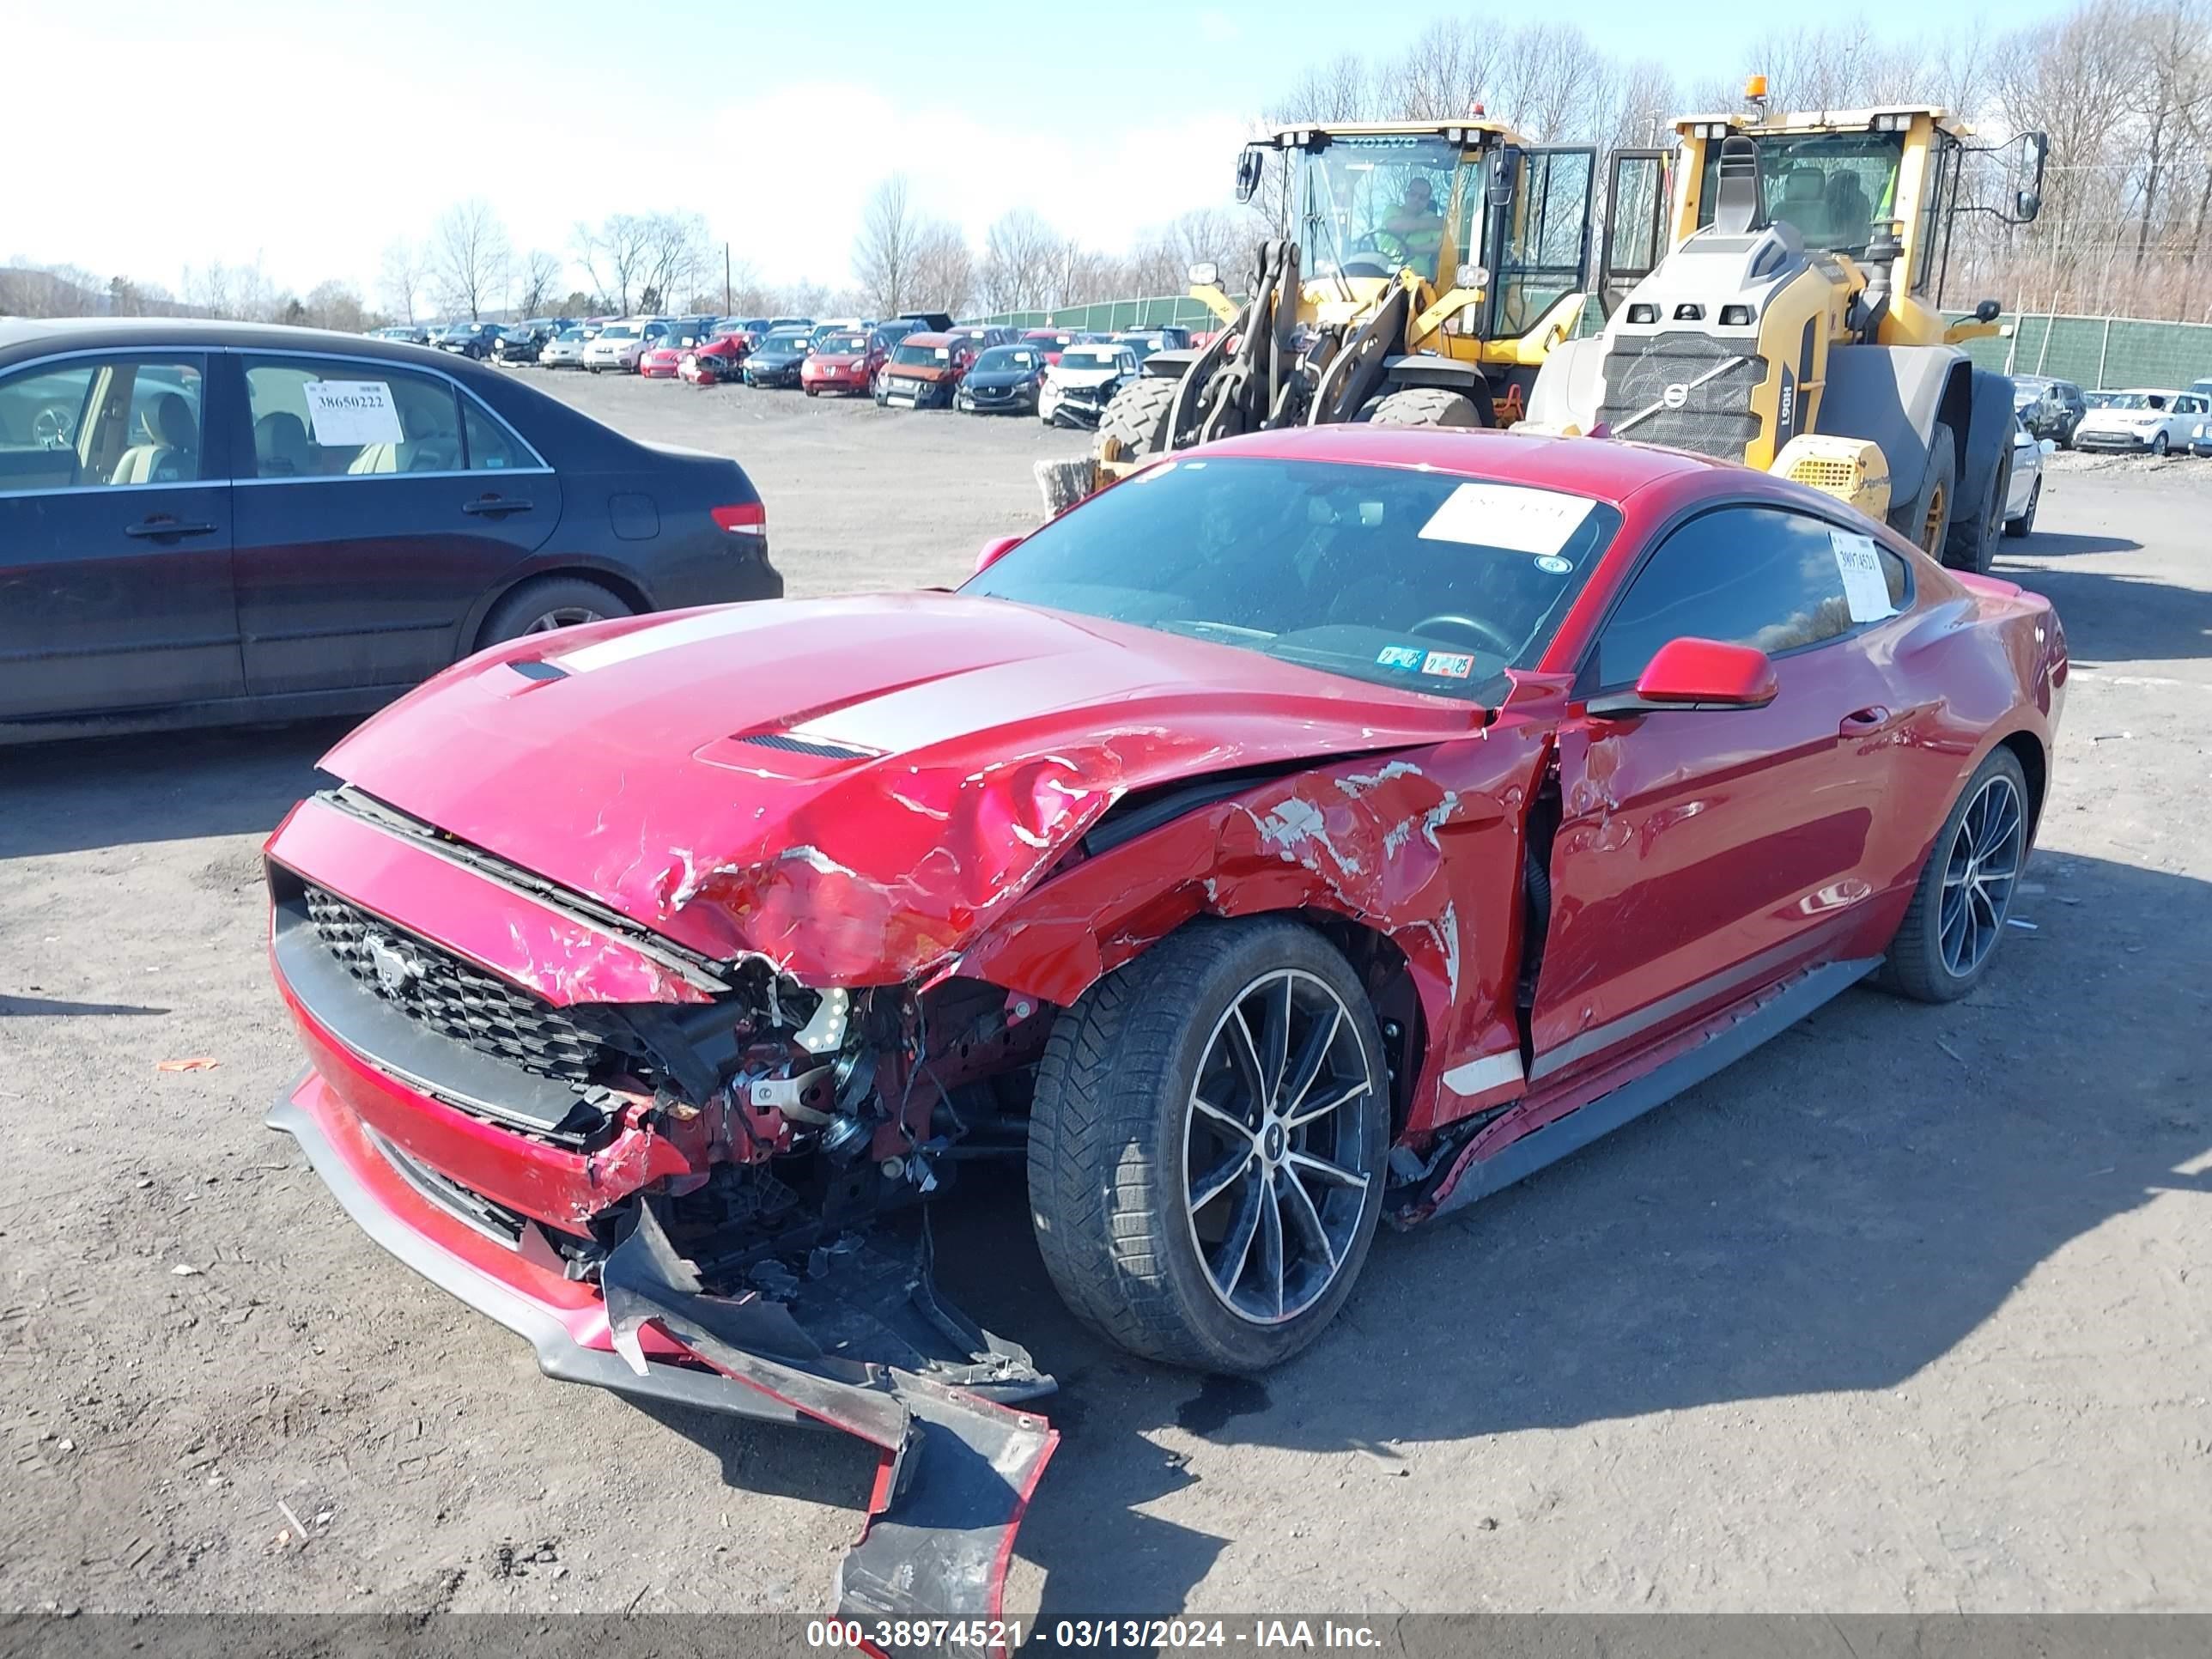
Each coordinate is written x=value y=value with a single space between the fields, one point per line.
x=1972 y=544
x=1135 y=424
x=1427 y=405
x=1925 y=520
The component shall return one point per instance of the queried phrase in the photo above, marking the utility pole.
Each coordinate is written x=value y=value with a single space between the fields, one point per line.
x=725 y=279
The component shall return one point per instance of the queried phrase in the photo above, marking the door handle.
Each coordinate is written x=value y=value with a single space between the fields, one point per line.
x=494 y=506
x=1861 y=722
x=161 y=526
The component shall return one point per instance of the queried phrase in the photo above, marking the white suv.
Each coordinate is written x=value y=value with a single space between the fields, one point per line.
x=619 y=346
x=2141 y=420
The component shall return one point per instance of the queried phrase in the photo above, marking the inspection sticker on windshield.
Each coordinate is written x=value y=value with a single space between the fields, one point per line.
x=1399 y=656
x=1866 y=591
x=1511 y=516
x=352 y=412
x=1453 y=664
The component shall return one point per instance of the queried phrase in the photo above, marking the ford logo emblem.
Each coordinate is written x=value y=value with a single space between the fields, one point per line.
x=393 y=970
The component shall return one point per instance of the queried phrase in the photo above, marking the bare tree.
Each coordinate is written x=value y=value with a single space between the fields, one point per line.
x=469 y=257
x=1020 y=252
x=674 y=259
x=401 y=281
x=613 y=257
x=884 y=251
x=537 y=281
x=334 y=304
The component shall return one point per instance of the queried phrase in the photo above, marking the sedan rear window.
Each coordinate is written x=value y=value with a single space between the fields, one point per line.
x=1418 y=579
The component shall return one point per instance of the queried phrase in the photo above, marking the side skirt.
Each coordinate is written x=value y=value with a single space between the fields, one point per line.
x=1471 y=1178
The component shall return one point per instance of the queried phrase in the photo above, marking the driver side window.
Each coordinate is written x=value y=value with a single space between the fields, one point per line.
x=1749 y=575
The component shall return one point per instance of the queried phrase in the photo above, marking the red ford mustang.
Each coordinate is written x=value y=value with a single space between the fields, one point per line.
x=1324 y=827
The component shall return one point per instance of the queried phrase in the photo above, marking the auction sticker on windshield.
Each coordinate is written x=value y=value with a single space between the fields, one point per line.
x=344 y=412
x=1866 y=593
x=1511 y=516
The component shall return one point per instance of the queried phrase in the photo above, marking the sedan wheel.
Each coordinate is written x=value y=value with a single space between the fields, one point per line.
x=1207 y=1145
x=548 y=604
x=562 y=615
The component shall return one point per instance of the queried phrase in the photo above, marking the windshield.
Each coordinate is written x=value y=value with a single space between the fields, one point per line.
x=571 y=334
x=790 y=342
x=1369 y=204
x=1415 y=579
x=618 y=331
x=2025 y=393
x=1082 y=357
x=1008 y=359
x=844 y=342
x=1832 y=186
x=2138 y=400
x=923 y=353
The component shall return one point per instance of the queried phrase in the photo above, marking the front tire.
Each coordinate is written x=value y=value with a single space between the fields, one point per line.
x=1134 y=424
x=1972 y=542
x=1425 y=406
x=2025 y=524
x=2160 y=445
x=1207 y=1146
x=1925 y=520
x=1957 y=917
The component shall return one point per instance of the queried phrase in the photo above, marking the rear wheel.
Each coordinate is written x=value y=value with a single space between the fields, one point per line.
x=1206 y=1145
x=2025 y=524
x=1959 y=910
x=1135 y=422
x=1973 y=542
x=1425 y=406
x=1925 y=520
x=550 y=603
x=2160 y=445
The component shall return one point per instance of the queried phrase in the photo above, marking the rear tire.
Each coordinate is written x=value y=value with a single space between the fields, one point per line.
x=1427 y=405
x=2025 y=524
x=2160 y=445
x=1116 y=1130
x=548 y=603
x=1960 y=899
x=1973 y=542
x=1135 y=420
x=1925 y=520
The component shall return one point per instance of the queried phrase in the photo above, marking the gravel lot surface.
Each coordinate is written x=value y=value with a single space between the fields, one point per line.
x=1911 y=1310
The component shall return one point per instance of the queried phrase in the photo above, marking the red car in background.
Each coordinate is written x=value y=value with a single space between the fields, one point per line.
x=1054 y=341
x=844 y=362
x=1330 y=825
x=662 y=359
x=714 y=361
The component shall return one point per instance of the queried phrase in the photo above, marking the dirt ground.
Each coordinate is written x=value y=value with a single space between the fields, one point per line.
x=1911 y=1310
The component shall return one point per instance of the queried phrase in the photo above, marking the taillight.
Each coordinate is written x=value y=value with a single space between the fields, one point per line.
x=749 y=518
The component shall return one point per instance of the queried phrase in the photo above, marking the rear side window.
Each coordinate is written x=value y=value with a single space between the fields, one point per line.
x=492 y=447
x=317 y=418
x=1750 y=575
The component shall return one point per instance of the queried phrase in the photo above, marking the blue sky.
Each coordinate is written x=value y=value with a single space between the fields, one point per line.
x=310 y=135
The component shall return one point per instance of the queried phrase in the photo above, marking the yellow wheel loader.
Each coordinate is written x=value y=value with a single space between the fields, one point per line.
x=1421 y=272
x=1779 y=310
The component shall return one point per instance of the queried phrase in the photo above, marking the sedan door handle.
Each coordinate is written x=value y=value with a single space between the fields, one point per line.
x=495 y=507
x=162 y=526
x=1860 y=722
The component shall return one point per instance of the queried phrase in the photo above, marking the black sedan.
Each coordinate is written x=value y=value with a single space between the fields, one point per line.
x=204 y=522
x=519 y=344
x=775 y=360
x=476 y=340
x=1004 y=381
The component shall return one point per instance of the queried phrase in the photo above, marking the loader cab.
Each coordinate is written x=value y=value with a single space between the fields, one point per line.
x=1467 y=206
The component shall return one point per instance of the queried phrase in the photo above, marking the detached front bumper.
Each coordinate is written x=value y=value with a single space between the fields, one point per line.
x=956 y=1467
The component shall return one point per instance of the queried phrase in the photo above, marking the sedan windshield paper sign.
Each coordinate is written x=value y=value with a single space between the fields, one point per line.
x=352 y=412
x=1508 y=516
x=1866 y=592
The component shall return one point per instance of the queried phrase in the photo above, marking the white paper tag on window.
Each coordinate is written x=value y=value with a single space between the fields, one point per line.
x=1511 y=516
x=352 y=412
x=1866 y=590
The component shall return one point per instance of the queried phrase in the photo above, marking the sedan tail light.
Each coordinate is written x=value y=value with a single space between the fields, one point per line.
x=748 y=518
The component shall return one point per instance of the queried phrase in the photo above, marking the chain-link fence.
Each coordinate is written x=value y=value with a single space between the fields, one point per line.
x=2093 y=352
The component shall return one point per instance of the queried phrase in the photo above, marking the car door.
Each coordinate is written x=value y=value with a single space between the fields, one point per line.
x=1702 y=853
x=377 y=506
x=115 y=537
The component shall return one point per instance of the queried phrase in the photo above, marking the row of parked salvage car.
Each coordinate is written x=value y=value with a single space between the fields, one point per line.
x=2132 y=421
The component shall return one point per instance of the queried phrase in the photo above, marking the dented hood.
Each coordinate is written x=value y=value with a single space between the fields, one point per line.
x=853 y=788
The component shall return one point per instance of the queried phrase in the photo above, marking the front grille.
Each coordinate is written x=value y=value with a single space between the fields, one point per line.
x=1818 y=473
x=1709 y=381
x=460 y=1000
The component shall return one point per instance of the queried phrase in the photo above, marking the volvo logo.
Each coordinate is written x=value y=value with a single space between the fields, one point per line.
x=393 y=970
x=1675 y=395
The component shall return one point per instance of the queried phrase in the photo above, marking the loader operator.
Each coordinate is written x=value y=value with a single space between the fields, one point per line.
x=1417 y=222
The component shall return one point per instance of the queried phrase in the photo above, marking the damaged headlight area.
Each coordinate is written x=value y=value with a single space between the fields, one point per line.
x=708 y=1172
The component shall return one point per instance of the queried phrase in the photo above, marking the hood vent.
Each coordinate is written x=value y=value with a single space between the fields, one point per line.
x=814 y=746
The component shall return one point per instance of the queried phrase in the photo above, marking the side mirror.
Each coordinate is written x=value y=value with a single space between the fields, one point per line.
x=1505 y=177
x=2026 y=205
x=2049 y=445
x=1987 y=311
x=1694 y=674
x=993 y=551
x=1250 y=164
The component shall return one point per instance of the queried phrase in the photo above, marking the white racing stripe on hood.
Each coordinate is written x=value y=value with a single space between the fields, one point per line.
x=646 y=642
